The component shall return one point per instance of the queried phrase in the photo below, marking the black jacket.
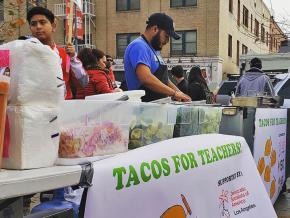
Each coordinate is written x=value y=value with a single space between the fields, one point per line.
x=183 y=86
x=196 y=91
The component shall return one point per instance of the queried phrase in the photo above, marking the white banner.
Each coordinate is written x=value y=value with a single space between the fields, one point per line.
x=204 y=176
x=270 y=148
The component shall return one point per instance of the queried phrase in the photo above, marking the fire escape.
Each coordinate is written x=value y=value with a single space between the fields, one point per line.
x=89 y=13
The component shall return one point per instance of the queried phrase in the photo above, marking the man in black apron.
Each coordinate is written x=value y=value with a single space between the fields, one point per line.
x=144 y=66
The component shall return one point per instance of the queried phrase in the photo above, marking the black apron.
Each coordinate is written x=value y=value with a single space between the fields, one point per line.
x=161 y=73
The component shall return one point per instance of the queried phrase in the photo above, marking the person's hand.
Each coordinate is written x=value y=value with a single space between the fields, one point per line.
x=70 y=50
x=118 y=90
x=180 y=96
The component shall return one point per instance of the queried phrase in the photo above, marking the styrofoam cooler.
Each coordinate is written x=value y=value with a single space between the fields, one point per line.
x=34 y=137
x=36 y=74
x=152 y=123
x=94 y=128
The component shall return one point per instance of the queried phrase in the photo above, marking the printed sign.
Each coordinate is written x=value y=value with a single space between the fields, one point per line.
x=4 y=58
x=270 y=148
x=197 y=176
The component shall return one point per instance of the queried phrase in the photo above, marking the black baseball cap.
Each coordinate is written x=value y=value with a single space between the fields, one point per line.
x=163 y=21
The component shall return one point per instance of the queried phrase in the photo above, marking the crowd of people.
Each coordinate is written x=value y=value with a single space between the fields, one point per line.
x=90 y=71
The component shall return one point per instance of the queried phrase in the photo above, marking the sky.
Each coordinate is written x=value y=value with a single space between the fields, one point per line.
x=281 y=12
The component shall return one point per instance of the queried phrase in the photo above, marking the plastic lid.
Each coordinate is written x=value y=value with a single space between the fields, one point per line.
x=4 y=87
x=135 y=92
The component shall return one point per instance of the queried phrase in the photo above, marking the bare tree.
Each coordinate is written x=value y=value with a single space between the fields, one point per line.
x=15 y=12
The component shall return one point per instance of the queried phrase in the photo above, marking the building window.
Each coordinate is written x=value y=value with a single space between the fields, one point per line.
x=251 y=23
x=238 y=53
x=267 y=38
x=127 y=5
x=231 y=6
x=244 y=49
x=230 y=46
x=239 y=12
x=245 y=16
x=182 y=3
x=257 y=28
x=186 y=45
x=123 y=40
x=41 y=3
x=262 y=33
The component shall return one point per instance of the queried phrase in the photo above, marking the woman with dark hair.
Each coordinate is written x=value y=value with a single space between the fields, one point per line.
x=197 y=87
x=94 y=61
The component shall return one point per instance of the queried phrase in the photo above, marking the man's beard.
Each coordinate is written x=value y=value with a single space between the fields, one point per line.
x=156 y=42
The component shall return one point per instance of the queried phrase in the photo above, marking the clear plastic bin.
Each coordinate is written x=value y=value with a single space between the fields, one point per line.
x=94 y=128
x=152 y=123
x=195 y=120
x=209 y=119
x=186 y=121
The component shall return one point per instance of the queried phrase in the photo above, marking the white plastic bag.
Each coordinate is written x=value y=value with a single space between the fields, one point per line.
x=36 y=74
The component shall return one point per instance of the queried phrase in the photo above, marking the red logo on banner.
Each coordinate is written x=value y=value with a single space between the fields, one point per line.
x=78 y=17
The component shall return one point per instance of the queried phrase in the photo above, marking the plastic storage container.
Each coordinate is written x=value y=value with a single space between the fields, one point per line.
x=187 y=121
x=195 y=120
x=134 y=96
x=106 y=97
x=4 y=89
x=152 y=123
x=209 y=119
x=58 y=202
x=94 y=128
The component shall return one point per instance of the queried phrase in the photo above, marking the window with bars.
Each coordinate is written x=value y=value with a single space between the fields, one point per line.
x=127 y=5
x=182 y=3
x=123 y=40
x=230 y=46
x=262 y=33
x=244 y=49
x=257 y=25
x=251 y=23
x=245 y=16
x=186 y=45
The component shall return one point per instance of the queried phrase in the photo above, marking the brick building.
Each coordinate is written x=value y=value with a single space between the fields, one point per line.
x=214 y=32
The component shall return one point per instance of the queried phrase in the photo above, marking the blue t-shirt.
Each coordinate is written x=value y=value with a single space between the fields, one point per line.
x=139 y=52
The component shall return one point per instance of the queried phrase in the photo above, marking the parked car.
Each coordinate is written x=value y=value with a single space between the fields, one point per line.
x=282 y=87
x=225 y=91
